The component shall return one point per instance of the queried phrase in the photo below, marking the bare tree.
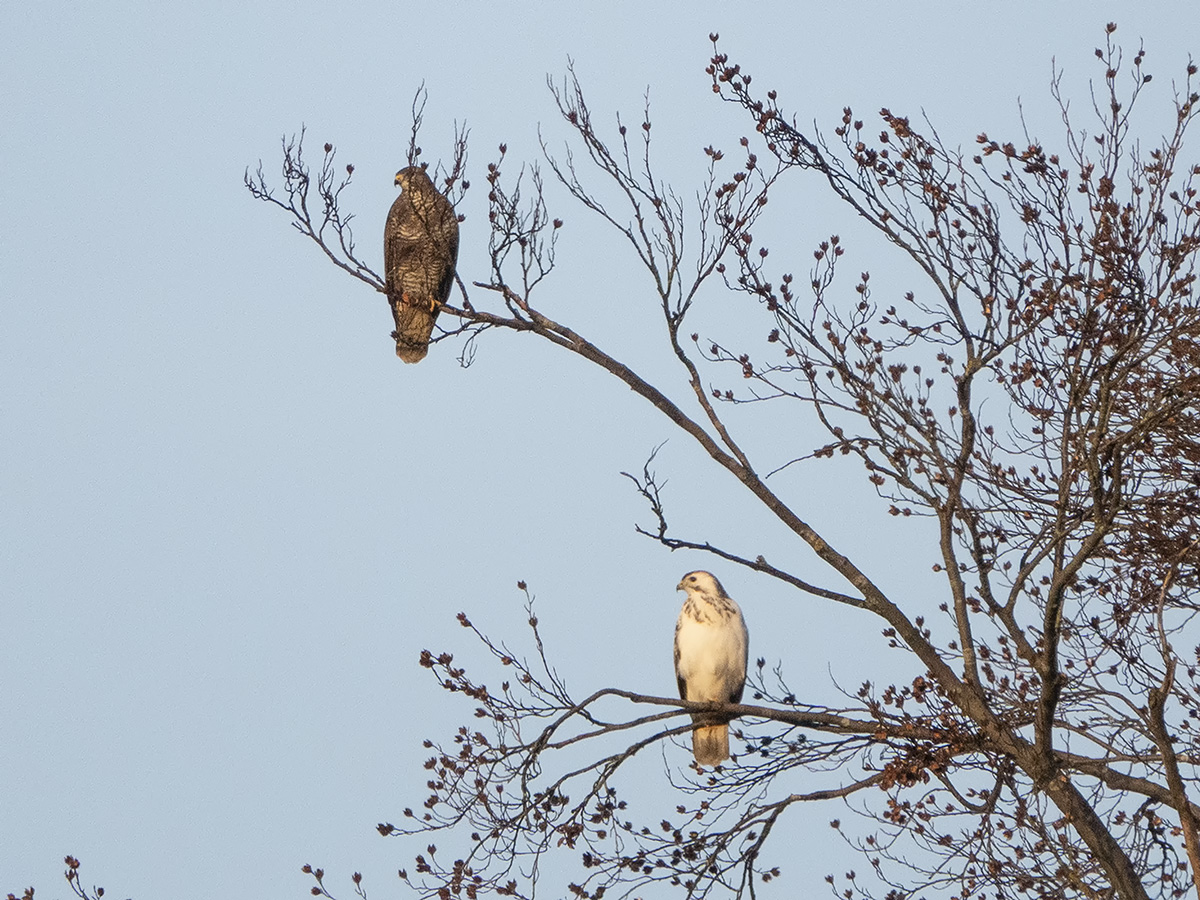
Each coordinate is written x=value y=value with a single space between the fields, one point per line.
x=71 y=873
x=1037 y=401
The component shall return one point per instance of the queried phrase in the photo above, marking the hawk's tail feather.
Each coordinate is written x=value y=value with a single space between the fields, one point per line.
x=710 y=744
x=414 y=327
x=410 y=353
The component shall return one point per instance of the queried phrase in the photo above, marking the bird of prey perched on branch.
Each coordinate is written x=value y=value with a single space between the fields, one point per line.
x=711 y=645
x=420 y=248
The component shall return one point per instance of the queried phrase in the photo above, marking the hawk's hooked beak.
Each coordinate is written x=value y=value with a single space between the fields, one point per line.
x=397 y=181
x=681 y=587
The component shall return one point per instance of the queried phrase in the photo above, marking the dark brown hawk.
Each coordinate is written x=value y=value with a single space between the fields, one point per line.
x=420 y=248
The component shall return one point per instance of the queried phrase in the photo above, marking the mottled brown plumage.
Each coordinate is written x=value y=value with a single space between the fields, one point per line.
x=420 y=248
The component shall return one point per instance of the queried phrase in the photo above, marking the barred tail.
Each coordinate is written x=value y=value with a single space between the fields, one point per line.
x=414 y=326
x=710 y=744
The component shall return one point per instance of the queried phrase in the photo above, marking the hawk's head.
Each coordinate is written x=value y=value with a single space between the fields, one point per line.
x=411 y=177
x=701 y=583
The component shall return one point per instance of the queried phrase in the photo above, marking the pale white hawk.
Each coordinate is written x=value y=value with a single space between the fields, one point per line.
x=711 y=646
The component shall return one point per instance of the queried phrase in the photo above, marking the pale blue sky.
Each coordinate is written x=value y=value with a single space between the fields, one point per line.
x=230 y=518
